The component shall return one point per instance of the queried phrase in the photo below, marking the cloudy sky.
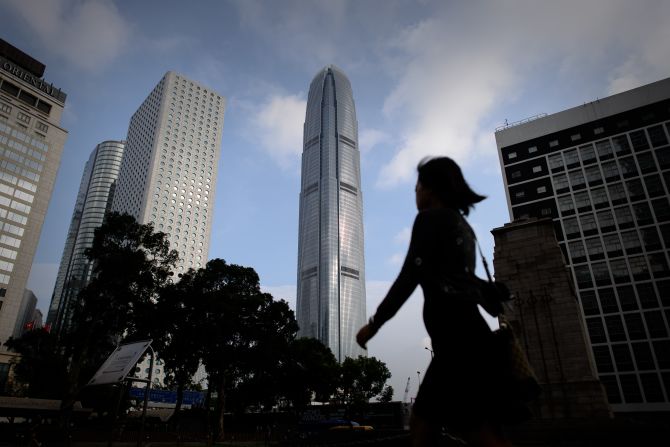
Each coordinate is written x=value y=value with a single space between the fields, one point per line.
x=429 y=78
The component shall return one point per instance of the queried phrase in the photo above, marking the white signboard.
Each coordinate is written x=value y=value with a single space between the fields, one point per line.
x=119 y=363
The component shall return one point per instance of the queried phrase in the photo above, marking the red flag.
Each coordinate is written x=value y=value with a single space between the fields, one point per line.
x=47 y=327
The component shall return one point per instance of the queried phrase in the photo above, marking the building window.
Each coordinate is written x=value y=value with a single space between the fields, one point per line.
x=5 y=108
x=601 y=274
x=556 y=162
x=565 y=205
x=553 y=143
x=589 y=303
x=42 y=127
x=628 y=167
x=570 y=228
x=541 y=189
x=643 y=356
x=603 y=359
x=630 y=388
x=23 y=117
x=642 y=212
x=604 y=149
x=624 y=217
x=583 y=276
x=593 y=175
x=652 y=387
x=638 y=267
x=575 y=137
x=657 y=136
x=627 y=299
x=608 y=301
x=511 y=156
x=595 y=248
x=639 y=140
x=651 y=240
x=619 y=271
x=577 y=252
x=622 y=356
x=631 y=242
x=598 y=131
x=587 y=153
x=577 y=179
x=621 y=146
x=571 y=158
x=560 y=183
x=605 y=220
x=596 y=330
x=610 y=171
x=537 y=169
x=659 y=265
x=582 y=201
x=532 y=149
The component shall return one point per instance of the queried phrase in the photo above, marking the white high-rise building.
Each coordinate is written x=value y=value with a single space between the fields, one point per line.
x=31 y=144
x=169 y=167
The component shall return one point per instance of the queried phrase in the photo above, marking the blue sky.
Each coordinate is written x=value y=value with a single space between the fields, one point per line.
x=429 y=78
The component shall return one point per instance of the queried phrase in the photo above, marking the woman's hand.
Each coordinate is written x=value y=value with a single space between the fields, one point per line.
x=364 y=335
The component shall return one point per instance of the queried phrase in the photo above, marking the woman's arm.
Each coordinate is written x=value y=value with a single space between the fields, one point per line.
x=404 y=284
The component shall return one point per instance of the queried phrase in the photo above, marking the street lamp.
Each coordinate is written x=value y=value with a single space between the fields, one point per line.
x=432 y=354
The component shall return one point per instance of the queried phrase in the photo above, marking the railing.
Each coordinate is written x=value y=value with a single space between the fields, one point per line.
x=523 y=121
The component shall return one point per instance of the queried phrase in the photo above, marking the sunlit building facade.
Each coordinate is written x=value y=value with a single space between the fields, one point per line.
x=601 y=171
x=93 y=201
x=169 y=168
x=331 y=263
x=31 y=144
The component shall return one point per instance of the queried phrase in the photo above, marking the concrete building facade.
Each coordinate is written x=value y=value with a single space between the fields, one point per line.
x=169 y=168
x=31 y=144
x=601 y=173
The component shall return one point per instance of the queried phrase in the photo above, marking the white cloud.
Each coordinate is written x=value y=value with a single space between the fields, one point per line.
x=456 y=68
x=90 y=34
x=403 y=236
x=279 y=124
x=396 y=259
x=369 y=138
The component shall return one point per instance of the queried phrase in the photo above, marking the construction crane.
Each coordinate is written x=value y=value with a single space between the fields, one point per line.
x=404 y=399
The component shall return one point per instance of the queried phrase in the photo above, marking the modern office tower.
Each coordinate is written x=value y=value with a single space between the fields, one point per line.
x=331 y=265
x=93 y=201
x=601 y=171
x=31 y=144
x=169 y=167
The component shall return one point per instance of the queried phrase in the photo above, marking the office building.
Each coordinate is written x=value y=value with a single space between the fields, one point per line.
x=331 y=264
x=93 y=201
x=31 y=144
x=169 y=168
x=601 y=171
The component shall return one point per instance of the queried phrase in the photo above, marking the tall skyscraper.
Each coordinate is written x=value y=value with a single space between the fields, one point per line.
x=31 y=144
x=169 y=167
x=93 y=201
x=601 y=171
x=331 y=264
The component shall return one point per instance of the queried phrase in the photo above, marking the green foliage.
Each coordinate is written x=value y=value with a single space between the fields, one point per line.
x=312 y=370
x=40 y=368
x=131 y=266
x=387 y=394
x=362 y=379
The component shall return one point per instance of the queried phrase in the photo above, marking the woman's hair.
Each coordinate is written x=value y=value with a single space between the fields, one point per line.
x=444 y=178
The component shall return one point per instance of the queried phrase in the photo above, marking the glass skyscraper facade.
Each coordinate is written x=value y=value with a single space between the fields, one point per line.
x=601 y=172
x=93 y=201
x=331 y=263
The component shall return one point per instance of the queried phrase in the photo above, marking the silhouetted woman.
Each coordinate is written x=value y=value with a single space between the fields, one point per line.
x=457 y=389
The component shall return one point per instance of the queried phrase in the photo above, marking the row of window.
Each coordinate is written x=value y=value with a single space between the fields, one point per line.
x=605 y=149
x=622 y=388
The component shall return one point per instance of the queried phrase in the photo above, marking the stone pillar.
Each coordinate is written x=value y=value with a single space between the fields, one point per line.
x=548 y=320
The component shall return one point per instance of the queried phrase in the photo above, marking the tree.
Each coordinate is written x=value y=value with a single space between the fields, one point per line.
x=362 y=379
x=131 y=265
x=311 y=371
x=387 y=394
x=244 y=335
x=41 y=368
